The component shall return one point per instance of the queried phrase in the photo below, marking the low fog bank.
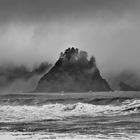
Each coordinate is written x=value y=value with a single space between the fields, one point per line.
x=129 y=77
x=20 y=78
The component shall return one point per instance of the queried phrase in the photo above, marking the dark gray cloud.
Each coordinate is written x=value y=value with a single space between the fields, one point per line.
x=34 y=10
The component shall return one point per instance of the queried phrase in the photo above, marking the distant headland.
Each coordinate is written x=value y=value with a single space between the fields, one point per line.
x=73 y=72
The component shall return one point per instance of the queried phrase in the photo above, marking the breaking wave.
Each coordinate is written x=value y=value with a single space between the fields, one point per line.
x=59 y=111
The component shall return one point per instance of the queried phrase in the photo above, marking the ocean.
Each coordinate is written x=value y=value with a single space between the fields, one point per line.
x=91 y=115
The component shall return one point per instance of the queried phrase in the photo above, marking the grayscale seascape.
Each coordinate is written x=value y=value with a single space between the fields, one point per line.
x=103 y=115
x=70 y=69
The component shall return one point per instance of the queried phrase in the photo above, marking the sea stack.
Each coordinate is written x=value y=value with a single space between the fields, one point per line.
x=73 y=72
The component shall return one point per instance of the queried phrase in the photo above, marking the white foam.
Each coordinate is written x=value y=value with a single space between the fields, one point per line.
x=59 y=111
x=62 y=136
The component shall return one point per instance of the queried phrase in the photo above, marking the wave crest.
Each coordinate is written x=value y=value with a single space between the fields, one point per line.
x=60 y=111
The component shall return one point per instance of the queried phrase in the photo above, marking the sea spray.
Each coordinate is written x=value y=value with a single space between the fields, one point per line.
x=18 y=113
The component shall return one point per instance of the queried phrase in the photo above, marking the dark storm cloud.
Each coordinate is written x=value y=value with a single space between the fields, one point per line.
x=34 y=10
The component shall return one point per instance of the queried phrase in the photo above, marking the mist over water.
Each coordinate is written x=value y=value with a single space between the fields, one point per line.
x=15 y=78
x=129 y=77
x=21 y=78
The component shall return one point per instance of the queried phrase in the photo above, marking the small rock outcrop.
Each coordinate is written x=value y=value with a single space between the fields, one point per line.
x=126 y=87
x=73 y=72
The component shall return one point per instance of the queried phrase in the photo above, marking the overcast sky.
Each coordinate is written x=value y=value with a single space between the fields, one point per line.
x=33 y=31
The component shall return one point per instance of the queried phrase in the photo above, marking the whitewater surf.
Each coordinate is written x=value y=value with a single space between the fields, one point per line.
x=65 y=116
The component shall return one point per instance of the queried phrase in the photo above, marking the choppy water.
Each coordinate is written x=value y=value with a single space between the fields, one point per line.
x=51 y=116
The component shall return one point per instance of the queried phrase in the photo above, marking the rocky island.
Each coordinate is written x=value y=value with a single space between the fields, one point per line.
x=73 y=72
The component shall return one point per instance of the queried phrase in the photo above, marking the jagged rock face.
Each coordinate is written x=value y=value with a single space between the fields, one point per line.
x=126 y=87
x=73 y=72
